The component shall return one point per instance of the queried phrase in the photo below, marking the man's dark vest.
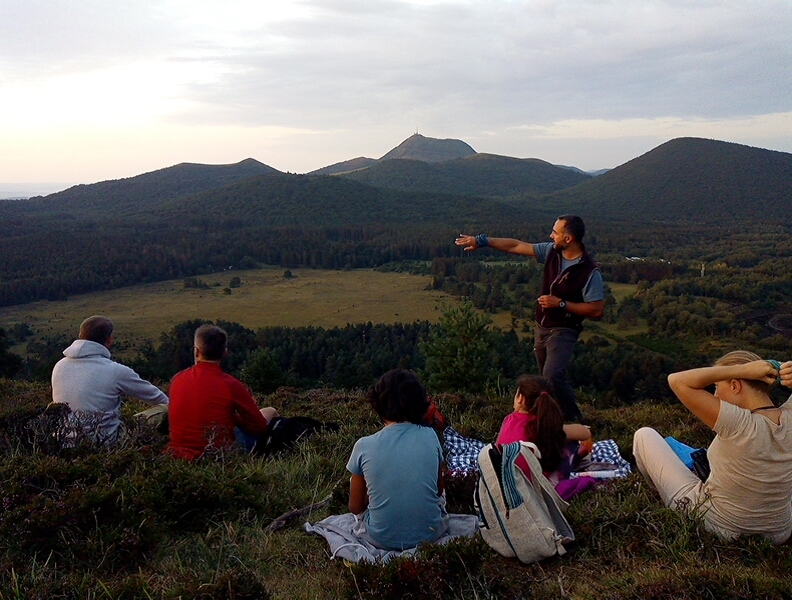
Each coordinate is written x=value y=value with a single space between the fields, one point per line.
x=567 y=286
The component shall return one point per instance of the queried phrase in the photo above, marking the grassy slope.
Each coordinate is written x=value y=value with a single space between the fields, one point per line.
x=160 y=528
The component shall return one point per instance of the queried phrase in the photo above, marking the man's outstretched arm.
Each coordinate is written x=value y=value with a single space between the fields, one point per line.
x=512 y=246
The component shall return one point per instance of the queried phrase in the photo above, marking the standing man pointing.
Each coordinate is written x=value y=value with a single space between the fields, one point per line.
x=572 y=290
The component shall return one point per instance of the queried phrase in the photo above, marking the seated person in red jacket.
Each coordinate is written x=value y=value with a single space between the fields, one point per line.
x=210 y=409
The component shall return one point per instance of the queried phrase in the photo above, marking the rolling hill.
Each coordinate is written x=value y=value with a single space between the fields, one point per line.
x=689 y=178
x=474 y=175
x=121 y=197
x=286 y=200
x=191 y=219
x=416 y=147
x=686 y=178
x=419 y=147
x=361 y=162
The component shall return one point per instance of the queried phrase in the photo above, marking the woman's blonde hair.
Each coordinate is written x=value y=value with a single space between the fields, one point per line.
x=742 y=357
x=738 y=357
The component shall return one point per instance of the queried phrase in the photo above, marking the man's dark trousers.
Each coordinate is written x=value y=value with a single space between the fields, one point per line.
x=553 y=348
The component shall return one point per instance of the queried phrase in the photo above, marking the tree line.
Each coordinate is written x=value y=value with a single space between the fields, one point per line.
x=461 y=353
x=71 y=258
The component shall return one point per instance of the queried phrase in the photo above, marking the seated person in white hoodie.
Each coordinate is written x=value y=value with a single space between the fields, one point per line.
x=92 y=384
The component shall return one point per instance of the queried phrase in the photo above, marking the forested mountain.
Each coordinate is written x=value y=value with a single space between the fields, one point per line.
x=418 y=147
x=306 y=201
x=361 y=162
x=190 y=219
x=144 y=192
x=475 y=175
x=688 y=178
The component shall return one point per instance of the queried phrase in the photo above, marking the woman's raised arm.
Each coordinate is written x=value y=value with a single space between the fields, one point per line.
x=689 y=386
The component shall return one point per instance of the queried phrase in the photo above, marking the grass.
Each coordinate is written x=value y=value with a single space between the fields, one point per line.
x=621 y=290
x=131 y=523
x=311 y=297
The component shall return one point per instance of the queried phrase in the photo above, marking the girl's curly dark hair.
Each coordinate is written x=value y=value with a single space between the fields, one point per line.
x=399 y=396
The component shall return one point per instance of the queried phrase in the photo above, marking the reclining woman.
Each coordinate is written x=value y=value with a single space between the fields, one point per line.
x=750 y=485
x=396 y=472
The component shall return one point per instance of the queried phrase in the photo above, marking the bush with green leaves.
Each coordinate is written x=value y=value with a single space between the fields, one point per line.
x=261 y=372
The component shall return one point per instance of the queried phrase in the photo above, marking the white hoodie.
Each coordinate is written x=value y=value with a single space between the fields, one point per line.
x=92 y=385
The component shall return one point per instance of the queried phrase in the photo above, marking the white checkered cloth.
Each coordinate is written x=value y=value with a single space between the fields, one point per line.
x=461 y=453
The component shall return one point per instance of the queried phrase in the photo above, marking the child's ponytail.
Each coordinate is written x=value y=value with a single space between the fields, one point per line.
x=547 y=431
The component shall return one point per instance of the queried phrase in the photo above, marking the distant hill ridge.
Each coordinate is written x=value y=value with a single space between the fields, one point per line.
x=685 y=178
x=449 y=166
x=361 y=162
x=416 y=147
x=689 y=178
x=149 y=190
x=473 y=175
x=191 y=219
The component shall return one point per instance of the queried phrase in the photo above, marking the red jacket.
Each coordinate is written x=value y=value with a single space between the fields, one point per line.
x=205 y=406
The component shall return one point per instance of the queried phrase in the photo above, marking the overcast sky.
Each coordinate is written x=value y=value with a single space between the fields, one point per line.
x=96 y=89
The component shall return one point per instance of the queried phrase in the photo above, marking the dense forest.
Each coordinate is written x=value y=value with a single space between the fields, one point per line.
x=695 y=296
x=700 y=299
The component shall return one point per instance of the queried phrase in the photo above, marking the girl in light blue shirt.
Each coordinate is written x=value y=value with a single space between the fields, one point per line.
x=397 y=472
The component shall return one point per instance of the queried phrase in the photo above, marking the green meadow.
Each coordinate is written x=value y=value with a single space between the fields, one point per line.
x=264 y=298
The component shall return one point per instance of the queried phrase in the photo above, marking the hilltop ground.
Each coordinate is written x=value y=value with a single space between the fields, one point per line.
x=132 y=523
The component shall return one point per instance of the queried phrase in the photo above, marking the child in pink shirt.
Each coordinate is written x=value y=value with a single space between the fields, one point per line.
x=537 y=418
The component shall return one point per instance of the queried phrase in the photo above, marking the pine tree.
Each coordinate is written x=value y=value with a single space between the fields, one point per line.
x=460 y=351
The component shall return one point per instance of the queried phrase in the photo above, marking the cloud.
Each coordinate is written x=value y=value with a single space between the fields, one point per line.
x=508 y=62
x=343 y=78
x=772 y=125
x=47 y=38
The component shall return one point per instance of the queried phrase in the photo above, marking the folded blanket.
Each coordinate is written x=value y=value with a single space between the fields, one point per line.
x=347 y=539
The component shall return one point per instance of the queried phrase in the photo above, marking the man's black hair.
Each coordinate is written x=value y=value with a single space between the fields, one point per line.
x=574 y=226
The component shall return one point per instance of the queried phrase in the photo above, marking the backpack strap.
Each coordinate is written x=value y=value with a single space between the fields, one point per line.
x=511 y=495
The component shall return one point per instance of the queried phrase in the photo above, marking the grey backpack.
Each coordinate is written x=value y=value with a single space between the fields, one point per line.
x=517 y=516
